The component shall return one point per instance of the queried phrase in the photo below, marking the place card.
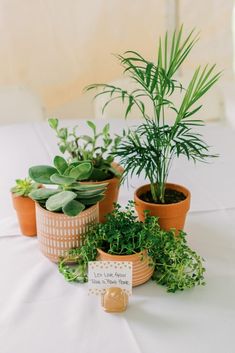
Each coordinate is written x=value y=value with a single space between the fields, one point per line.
x=109 y=274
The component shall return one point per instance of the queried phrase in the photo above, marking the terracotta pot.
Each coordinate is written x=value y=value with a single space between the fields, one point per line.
x=141 y=270
x=57 y=232
x=25 y=209
x=111 y=193
x=170 y=215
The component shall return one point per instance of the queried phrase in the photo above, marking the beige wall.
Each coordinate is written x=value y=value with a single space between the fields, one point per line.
x=214 y=21
x=56 y=47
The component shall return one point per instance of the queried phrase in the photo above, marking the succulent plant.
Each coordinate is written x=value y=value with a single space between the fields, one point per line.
x=23 y=187
x=98 y=147
x=70 y=196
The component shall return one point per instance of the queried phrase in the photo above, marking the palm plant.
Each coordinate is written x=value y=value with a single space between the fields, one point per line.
x=153 y=145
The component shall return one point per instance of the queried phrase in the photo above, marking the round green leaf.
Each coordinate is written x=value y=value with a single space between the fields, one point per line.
x=58 y=201
x=73 y=208
x=62 y=180
x=53 y=122
x=82 y=171
x=42 y=194
x=42 y=173
x=60 y=164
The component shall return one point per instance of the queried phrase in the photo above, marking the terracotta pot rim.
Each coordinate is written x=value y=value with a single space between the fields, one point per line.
x=21 y=196
x=188 y=194
x=62 y=214
x=130 y=256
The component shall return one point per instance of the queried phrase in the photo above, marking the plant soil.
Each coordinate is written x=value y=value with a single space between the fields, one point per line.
x=171 y=196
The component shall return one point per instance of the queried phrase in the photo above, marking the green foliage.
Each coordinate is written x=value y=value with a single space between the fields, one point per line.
x=23 y=187
x=151 y=147
x=71 y=196
x=176 y=266
x=96 y=148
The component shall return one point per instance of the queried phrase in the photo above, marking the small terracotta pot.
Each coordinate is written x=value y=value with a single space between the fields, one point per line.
x=141 y=269
x=111 y=193
x=170 y=215
x=57 y=232
x=25 y=209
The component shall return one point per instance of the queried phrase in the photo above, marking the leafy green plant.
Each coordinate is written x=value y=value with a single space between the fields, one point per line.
x=71 y=196
x=154 y=144
x=23 y=187
x=96 y=148
x=176 y=265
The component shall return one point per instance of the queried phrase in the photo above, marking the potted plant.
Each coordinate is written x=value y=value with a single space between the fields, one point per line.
x=25 y=206
x=96 y=148
x=153 y=251
x=65 y=210
x=152 y=146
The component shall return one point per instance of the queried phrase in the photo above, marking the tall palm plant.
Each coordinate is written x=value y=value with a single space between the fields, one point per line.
x=152 y=146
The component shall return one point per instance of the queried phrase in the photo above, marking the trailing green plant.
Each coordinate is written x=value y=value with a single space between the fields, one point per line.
x=175 y=265
x=23 y=187
x=70 y=195
x=96 y=147
x=152 y=146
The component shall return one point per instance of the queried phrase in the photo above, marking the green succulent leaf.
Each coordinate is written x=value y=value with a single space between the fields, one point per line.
x=42 y=173
x=63 y=133
x=91 y=125
x=58 y=201
x=73 y=208
x=23 y=187
x=43 y=193
x=90 y=193
x=87 y=187
x=53 y=122
x=60 y=164
x=82 y=171
x=68 y=170
x=61 y=179
x=91 y=200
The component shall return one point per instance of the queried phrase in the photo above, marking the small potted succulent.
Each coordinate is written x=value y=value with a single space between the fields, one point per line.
x=66 y=209
x=153 y=251
x=151 y=147
x=24 y=205
x=96 y=148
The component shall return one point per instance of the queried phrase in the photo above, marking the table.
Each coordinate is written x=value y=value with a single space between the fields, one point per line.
x=40 y=312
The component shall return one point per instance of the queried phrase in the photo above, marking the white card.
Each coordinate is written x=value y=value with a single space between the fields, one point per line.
x=106 y=274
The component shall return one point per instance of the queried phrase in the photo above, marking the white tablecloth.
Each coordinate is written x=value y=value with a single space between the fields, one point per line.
x=40 y=312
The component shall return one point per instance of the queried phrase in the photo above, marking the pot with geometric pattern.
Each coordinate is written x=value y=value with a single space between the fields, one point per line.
x=57 y=232
x=142 y=269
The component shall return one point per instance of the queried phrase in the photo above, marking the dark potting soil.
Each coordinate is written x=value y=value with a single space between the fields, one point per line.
x=171 y=196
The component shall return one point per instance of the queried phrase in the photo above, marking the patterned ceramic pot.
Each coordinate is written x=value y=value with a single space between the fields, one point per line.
x=57 y=233
x=141 y=269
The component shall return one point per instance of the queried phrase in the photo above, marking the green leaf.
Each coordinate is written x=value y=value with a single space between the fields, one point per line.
x=42 y=194
x=91 y=201
x=73 y=208
x=61 y=179
x=63 y=133
x=68 y=170
x=42 y=173
x=91 y=125
x=90 y=193
x=86 y=187
x=53 y=122
x=106 y=129
x=82 y=171
x=60 y=164
x=58 y=201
